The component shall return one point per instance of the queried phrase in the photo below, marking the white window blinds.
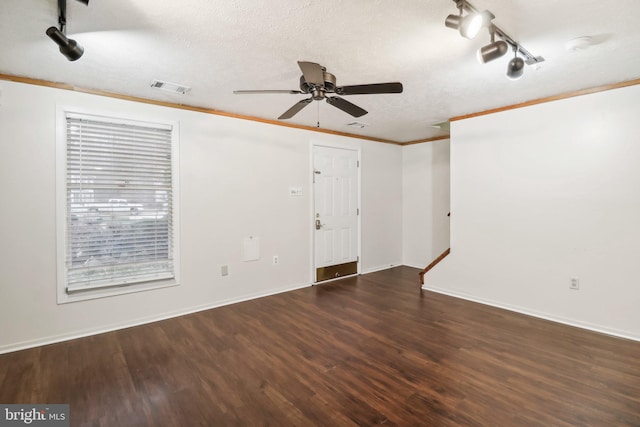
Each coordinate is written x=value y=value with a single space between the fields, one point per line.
x=119 y=203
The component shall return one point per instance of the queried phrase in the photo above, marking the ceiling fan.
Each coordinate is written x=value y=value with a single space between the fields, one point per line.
x=317 y=82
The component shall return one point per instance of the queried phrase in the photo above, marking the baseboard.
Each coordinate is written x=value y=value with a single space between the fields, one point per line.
x=142 y=321
x=380 y=268
x=334 y=279
x=406 y=264
x=540 y=315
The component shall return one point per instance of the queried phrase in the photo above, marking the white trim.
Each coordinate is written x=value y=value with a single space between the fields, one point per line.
x=534 y=313
x=381 y=268
x=104 y=292
x=143 y=321
x=60 y=196
x=77 y=113
x=421 y=267
x=104 y=284
x=359 y=198
x=175 y=194
x=312 y=242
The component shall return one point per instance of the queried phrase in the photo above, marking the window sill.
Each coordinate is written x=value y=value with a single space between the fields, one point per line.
x=64 y=297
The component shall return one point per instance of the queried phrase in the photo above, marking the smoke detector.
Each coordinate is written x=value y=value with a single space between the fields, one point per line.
x=170 y=87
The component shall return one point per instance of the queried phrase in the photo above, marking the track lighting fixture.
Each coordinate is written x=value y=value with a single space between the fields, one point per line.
x=469 y=27
x=493 y=50
x=515 y=69
x=68 y=47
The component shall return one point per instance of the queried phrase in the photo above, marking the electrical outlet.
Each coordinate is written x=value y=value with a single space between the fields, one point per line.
x=575 y=284
x=224 y=270
x=275 y=260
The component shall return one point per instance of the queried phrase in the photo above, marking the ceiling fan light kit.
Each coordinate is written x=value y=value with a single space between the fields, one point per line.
x=470 y=25
x=318 y=82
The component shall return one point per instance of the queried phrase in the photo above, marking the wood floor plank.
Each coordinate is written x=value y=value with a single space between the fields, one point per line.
x=364 y=351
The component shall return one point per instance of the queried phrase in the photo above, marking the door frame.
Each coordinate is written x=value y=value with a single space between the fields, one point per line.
x=312 y=199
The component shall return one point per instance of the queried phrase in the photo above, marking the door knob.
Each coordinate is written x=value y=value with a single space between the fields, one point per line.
x=318 y=225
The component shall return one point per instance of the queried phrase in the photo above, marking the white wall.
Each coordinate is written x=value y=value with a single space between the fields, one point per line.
x=542 y=194
x=382 y=200
x=425 y=202
x=234 y=181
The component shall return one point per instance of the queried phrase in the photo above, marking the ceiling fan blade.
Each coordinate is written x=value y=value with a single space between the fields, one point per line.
x=312 y=72
x=245 y=92
x=295 y=109
x=346 y=106
x=373 y=88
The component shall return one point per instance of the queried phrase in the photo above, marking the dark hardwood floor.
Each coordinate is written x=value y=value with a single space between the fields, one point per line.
x=363 y=351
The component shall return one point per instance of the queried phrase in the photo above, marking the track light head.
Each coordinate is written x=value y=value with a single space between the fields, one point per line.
x=515 y=69
x=68 y=47
x=453 y=21
x=493 y=50
x=474 y=22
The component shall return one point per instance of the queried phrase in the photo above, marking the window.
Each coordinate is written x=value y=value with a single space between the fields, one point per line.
x=116 y=216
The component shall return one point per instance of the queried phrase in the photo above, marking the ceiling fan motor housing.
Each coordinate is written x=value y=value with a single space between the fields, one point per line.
x=319 y=91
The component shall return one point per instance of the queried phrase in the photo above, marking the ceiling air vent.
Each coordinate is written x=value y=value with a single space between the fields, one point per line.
x=359 y=125
x=170 y=87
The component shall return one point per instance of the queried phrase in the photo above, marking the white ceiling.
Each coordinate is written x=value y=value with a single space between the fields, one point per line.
x=217 y=46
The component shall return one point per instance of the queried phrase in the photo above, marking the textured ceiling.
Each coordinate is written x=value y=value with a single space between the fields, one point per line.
x=218 y=46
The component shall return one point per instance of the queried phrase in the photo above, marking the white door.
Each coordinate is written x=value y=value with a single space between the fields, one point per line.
x=335 y=210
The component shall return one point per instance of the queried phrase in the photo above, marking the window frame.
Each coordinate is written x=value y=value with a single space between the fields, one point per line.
x=61 y=204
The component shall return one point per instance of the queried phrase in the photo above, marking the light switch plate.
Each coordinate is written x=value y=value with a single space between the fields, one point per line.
x=295 y=191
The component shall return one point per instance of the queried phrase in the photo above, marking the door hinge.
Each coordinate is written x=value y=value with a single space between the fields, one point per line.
x=357 y=259
x=358 y=163
x=358 y=211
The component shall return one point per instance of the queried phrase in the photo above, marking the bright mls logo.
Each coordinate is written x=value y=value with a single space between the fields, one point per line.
x=34 y=415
